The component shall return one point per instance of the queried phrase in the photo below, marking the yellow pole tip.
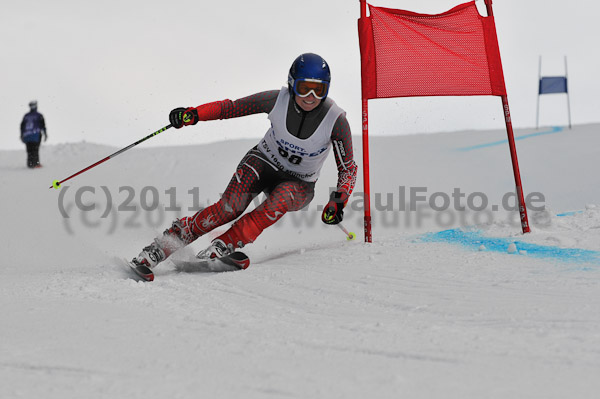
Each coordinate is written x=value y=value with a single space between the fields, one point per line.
x=56 y=184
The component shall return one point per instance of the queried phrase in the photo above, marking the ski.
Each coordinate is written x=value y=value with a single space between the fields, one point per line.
x=142 y=271
x=235 y=261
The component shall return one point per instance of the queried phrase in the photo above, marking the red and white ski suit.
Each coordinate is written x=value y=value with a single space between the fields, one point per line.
x=286 y=174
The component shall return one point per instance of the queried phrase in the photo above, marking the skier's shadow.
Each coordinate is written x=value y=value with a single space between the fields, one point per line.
x=277 y=256
x=185 y=261
x=195 y=266
x=285 y=254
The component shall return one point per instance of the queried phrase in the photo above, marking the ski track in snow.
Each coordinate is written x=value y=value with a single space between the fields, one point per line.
x=314 y=315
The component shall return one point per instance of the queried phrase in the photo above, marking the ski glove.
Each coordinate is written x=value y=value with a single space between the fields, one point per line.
x=180 y=117
x=334 y=210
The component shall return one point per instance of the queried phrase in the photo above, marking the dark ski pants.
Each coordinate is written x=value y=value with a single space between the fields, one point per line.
x=33 y=154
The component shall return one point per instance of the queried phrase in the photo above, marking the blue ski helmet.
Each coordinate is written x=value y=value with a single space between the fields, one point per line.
x=309 y=66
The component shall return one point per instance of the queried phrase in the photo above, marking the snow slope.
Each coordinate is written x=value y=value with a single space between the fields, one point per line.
x=419 y=313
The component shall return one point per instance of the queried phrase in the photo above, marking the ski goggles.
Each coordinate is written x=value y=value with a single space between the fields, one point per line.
x=303 y=87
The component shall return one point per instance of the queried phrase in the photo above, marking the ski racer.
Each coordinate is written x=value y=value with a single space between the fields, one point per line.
x=285 y=165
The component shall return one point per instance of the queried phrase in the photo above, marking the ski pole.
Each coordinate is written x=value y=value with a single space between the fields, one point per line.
x=57 y=183
x=349 y=235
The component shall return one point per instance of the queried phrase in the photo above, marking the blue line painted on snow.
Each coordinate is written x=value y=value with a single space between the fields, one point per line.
x=475 y=239
x=555 y=129
x=570 y=213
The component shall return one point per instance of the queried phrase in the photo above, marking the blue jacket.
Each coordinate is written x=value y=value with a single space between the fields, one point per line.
x=32 y=127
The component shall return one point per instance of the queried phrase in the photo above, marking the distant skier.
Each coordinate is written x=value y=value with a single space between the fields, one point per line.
x=285 y=165
x=33 y=127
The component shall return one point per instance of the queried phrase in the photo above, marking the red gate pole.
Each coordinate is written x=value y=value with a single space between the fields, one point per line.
x=366 y=178
x=365 y=150
x=513 y=149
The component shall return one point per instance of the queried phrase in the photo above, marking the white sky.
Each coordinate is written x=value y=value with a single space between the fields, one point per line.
x=110 y=72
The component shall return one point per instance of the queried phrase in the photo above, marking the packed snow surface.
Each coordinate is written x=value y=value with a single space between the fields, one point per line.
x=315 y=315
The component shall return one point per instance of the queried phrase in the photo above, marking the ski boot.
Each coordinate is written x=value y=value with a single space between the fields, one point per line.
x=150 y=256
x=228 y=242
x=217 y=249
x=177 y=236
x=224 y=245
x=224 y=256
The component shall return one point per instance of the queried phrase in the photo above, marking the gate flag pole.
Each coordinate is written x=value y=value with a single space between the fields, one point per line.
x=513 y=149
x=537 y=112
x=552 y=85
x=365 y=143
x=566 y=89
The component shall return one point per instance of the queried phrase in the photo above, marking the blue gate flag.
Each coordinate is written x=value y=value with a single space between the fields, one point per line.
x=553 y=84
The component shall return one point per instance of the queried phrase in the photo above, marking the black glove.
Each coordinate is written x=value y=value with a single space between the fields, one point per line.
x=180 y=117
x=334 y=210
